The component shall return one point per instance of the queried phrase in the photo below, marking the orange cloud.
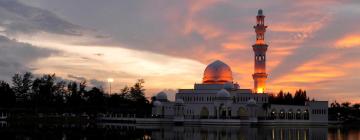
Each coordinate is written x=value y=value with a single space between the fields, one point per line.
x=233 y=46
x=281 y=51
x=302 y=30
x=195 y=7
x=310 y=75
x=348 y=41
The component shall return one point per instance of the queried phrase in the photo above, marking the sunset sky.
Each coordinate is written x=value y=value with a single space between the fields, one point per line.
x=313 y=45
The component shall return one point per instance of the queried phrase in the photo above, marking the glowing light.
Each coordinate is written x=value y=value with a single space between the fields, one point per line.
x=110 y=80
x=260 y=90
x=260 y=42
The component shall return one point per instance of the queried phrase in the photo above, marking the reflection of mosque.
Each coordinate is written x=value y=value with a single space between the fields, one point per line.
x=218 y=99
x=239 y=133
x=223 y=132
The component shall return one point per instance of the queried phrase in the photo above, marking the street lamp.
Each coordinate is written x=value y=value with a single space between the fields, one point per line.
x=110 y=80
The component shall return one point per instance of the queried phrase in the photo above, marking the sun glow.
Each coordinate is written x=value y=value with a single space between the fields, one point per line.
x=260 y=90
x=110 y=80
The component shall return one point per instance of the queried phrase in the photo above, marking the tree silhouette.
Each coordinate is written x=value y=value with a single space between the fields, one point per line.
x=7 y=96
x=49 y=94
x=288 y=99
x=74 y=98
x=95 y=100
x=21 y=85
x=299 y=98
x=125 y=92
x=137 y=91
x=344 y=112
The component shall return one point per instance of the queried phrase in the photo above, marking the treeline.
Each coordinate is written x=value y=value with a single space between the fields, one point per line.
x=344 y=111
x=299 y=98
x=49 y=94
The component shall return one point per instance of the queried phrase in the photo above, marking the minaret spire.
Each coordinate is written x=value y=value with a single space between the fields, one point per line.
x=260 y=48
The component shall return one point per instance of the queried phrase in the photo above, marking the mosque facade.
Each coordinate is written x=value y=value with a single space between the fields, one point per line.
x=219 y=99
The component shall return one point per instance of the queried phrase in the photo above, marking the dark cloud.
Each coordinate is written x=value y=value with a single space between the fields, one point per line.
x=19 y=18
x=18 y=57
x=97 y=83
x=77 y=78
x=92 y=82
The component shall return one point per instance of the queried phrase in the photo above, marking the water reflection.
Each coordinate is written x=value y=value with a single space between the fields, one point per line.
x=344 y=133
x=24 y=131
x=239 y=133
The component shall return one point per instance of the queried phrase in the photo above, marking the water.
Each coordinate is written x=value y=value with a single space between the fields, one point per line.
x=170 y=132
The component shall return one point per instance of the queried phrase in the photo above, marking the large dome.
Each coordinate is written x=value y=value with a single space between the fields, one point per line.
x=217 y=73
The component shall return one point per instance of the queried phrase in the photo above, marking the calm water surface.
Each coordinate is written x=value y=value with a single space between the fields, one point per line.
x=169 y=132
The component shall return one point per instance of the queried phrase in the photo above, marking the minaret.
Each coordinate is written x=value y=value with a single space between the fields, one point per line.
x=260 y=48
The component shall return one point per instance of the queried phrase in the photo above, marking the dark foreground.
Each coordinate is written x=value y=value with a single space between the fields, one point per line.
x=28 y=131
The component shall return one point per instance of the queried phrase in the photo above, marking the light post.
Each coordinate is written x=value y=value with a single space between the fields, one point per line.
x=110 y=80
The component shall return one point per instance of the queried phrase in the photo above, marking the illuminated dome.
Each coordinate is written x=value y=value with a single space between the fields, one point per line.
x=217 y=73
x=223 y=94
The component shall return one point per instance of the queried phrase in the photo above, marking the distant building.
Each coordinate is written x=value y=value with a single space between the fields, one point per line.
x=219 y=99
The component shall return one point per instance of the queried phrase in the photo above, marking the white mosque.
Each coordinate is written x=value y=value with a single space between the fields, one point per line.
x=218 y=99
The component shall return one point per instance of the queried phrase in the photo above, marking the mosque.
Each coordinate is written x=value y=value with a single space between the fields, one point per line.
x=218 y=99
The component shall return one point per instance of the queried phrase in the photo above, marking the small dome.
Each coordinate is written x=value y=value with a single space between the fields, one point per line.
x=157 y=103
x=217 y=73
x=260 y=12
x=161 y=96
x=251 y=102
x=229 y=85
x=179 y=101
x=223 y=93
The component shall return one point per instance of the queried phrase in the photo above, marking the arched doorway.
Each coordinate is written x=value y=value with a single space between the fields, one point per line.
x=242 y=113
x=162 y=114
x=222 y=111
x=204 y=114
x=273 y=114
x=290 y=114
x=298 y=114
x=282 y=114
x=306 y=114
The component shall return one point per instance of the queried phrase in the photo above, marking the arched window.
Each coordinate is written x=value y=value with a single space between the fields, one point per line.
x=273 y=114
x=204 y=114
x=306 y=114
x=215 y=111
x=242 y=113
x=282 y=114
x=290 y=114
x=298 y=114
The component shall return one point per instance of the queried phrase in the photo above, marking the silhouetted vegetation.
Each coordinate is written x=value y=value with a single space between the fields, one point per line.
x=49 y=94
x=344 y=111
x=299 y=98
